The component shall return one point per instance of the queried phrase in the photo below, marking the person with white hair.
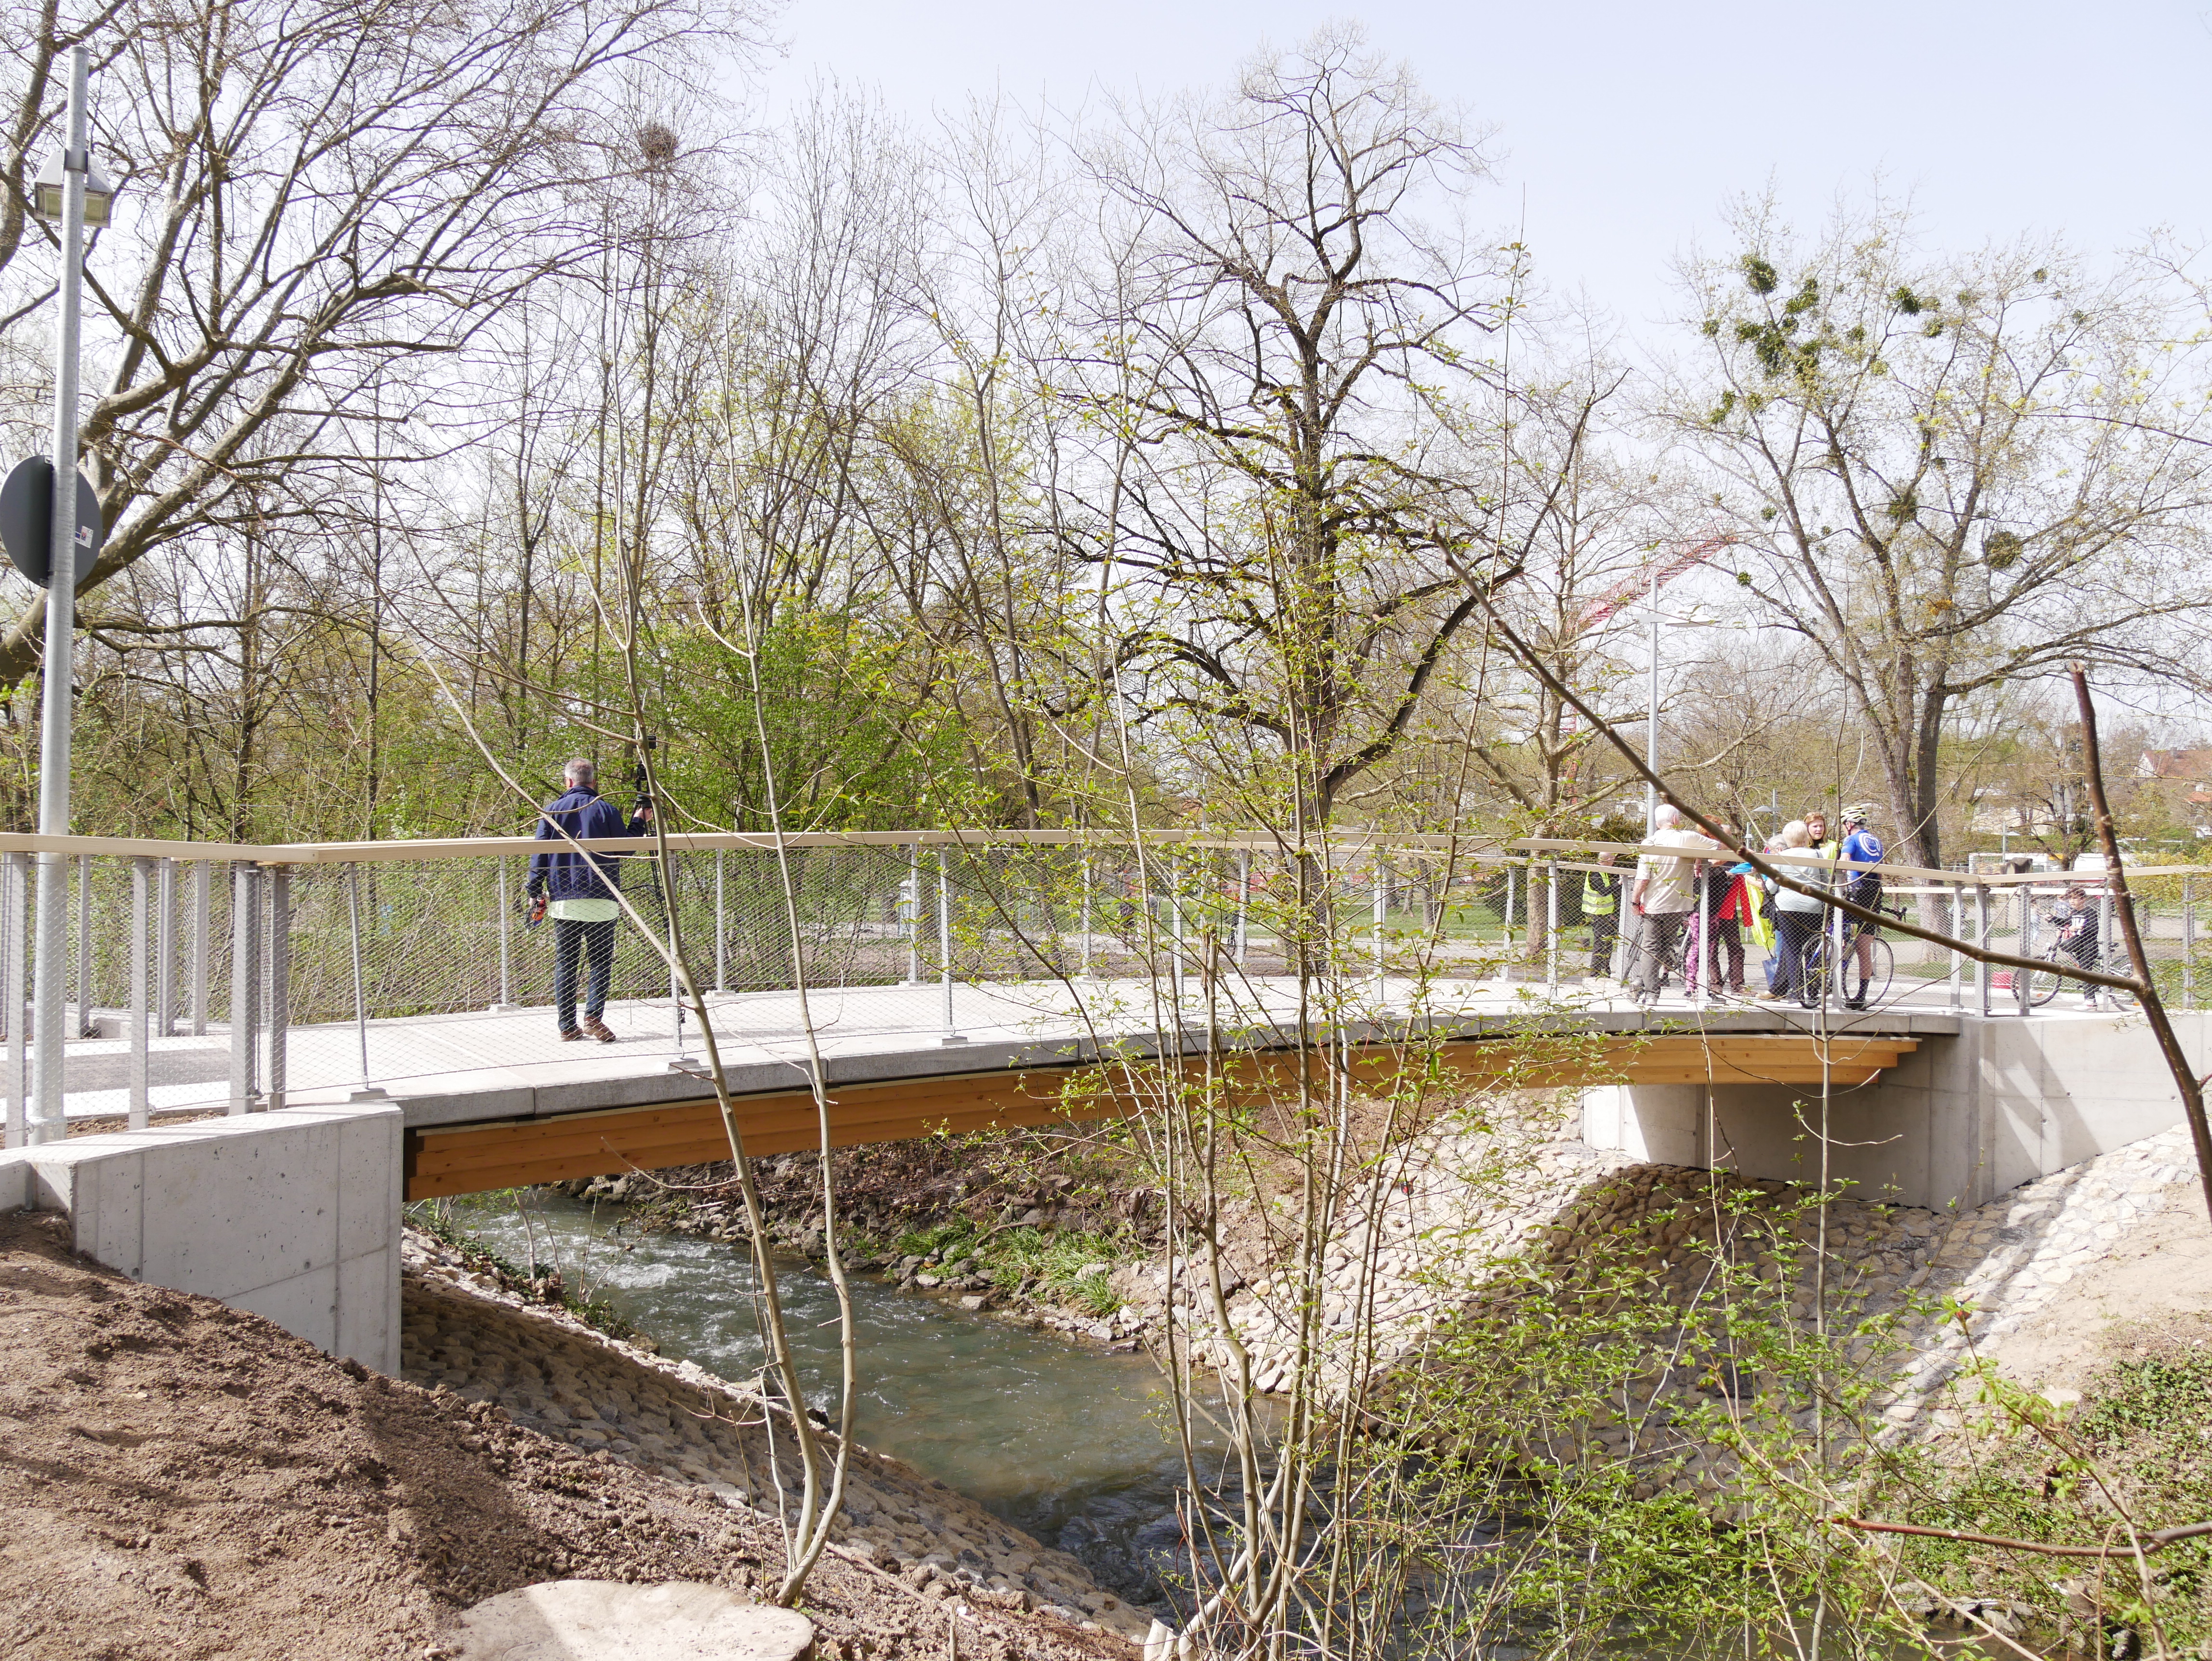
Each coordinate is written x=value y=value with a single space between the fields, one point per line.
x=1665 y=894
x=1797 y=917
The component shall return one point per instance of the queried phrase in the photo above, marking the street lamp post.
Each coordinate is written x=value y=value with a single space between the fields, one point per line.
x=62 y=194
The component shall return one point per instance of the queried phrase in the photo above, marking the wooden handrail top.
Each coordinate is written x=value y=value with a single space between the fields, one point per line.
x=1474 y=851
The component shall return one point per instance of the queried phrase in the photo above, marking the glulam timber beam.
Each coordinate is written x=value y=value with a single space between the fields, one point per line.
x=515 y=1154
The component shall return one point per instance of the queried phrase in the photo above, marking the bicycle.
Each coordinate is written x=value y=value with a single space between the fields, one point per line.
x=2045 y=984
x=1881 y=966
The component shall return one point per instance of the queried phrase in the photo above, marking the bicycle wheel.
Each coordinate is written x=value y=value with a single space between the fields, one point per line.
x=2043 y=985
x=1882 y=971
x=1813 y=981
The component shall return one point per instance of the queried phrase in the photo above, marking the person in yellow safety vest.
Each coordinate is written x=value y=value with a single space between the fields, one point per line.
x=1601 y=907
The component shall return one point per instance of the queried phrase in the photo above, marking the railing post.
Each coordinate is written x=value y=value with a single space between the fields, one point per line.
x=1511 y=872
x=245 y=965
x=1958 y=958
x=1084 y=920
x=280 y=981
x=2188 y=943
x=202 y=879
x=1982 y=934
x=86 y=1026
x=2022 y=980
x=142 y=885
x=1243 y=905
x=2106 y=954
x=1380 y=908
x=721 y=921
x=669 y=894
x=912 y=908
x=1838 y=986
x=368 y=1091
x=165 y=947
x=1175 y=926
x=15 y=944
x=1552 y=927
x=952 y=1034
x=505 y=937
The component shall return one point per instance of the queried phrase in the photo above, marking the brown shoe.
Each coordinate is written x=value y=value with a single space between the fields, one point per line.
x=570 y=1034
x=598 y=1029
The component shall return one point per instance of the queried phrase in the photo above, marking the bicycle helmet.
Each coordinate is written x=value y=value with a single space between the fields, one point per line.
x=1858 y=813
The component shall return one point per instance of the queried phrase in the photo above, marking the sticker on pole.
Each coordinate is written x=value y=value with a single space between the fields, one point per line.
x=27 y=518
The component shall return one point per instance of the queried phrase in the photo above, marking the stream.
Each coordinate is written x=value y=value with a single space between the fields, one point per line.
x=1070 y=1445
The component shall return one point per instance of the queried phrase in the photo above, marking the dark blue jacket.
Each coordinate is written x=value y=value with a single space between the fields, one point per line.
x=568 y=874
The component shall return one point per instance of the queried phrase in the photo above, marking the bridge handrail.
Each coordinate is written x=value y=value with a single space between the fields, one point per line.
x=1477 y=851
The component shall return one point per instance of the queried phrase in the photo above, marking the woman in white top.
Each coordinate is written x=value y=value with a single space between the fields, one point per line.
x=1796 y=916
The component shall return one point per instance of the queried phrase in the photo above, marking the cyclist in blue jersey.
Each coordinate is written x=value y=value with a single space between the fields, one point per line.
x=1861 y=847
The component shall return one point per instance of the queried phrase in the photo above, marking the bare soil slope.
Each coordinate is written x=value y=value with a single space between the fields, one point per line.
x=184 y=1480
x=2156 y=1280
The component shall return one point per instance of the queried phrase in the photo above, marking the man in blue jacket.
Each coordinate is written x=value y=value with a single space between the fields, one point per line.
x=577 y=890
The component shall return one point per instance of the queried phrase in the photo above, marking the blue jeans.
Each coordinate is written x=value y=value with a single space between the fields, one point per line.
x=570 y=940
x=1793 y=931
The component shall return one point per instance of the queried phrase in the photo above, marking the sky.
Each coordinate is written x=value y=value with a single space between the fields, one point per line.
x=1626 y=130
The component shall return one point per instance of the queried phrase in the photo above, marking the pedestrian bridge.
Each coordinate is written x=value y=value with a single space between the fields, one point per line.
x=280 y=1045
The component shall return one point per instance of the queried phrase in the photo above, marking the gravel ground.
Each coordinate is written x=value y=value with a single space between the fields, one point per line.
x=184 y=1480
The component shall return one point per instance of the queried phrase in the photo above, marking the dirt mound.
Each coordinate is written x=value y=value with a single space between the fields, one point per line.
x=184 y=1480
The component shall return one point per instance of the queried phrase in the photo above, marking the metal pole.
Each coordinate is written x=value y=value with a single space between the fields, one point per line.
x=244 y=962
x=1982 y=924
x=2105 y=930
x=2188 y=944
x=280 y=982
x=1381 y=915
x=165 y=948
x=142 y=885
x=506 y=938
x=914 y=913
x=1174 y=928
x=2025 y=898
x=1836 y=984
x=721 y=922
x=1511 y=872
x=203 y=880
x=87 y=1025
x=15 y=873
x=675 y=982
x=1958 y=933
x=1086 y=917
x=48 y=1113
x=359 y=997
x=1243 y=905
x=944 y=945
x=1551 y=922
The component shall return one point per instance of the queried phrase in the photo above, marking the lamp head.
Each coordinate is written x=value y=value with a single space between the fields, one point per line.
x=47 y=195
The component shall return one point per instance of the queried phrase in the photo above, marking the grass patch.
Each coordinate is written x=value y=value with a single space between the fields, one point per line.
x=1047 y=1262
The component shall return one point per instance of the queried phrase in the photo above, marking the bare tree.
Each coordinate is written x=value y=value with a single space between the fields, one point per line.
x=1948 y=475
x=1292 y=347
x=308 y=197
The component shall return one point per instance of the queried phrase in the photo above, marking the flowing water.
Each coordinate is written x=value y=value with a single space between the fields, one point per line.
x=1072 y=1445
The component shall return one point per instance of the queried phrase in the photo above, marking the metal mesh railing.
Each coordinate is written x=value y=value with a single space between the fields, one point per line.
x=198 y=984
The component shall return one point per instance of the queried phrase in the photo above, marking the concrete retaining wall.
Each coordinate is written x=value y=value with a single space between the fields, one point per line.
x=293 y=1215
x=1961 y=1121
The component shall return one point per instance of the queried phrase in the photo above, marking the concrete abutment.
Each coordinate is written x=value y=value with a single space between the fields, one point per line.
x=1958 y=1122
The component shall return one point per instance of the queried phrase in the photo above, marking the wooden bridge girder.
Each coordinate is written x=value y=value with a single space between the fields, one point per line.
x=513 y=1153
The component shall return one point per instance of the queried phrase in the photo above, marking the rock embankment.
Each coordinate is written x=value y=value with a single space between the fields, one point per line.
x=555 y=1374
